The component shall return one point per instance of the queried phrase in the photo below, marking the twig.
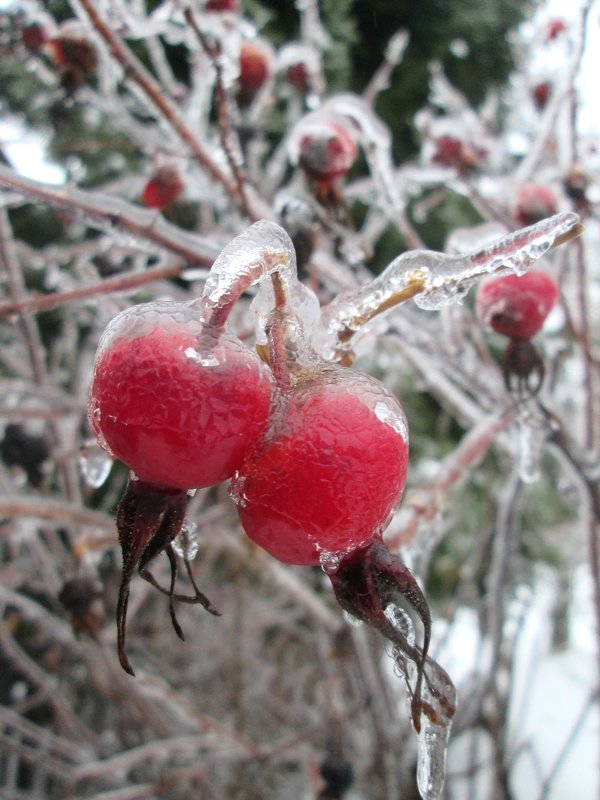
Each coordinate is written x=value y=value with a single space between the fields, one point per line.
x=427 y=503
x=55 y=510
x=113 y=212
x=229 y=141
x=122 y=283
x=135 y=70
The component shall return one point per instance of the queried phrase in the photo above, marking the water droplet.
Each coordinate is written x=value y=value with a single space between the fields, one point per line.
x=185 y=543
x=95 y=466
x=330 y=562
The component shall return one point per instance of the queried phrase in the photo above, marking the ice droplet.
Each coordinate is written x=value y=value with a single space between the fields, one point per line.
x=330 y=562
x=95 y=466
x=401 y=621
x=185 y=543
x=432 y=745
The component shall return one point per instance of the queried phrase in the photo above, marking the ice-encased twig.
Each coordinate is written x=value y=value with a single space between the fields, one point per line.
x=255 y=254
x=436 y=280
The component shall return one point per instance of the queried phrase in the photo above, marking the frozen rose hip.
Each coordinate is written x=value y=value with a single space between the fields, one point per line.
x=163 y=188
x=534 y=202
x=221 y=5
x=330 y=472
x=516 y=306
x=180 y=409
x=326 y=151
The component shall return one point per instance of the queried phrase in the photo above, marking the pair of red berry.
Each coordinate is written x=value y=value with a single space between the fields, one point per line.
x=318 y=452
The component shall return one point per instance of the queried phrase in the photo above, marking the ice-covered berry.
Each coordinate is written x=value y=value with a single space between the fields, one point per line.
x=256 y=68
x=534 y=202
x=516 y=305
x=180 y=406
x=162 y=188
x=330 y=472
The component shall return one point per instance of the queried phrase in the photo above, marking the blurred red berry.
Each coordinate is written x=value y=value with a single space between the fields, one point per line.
x=450 y=151
x=256 y=67
x=534 y=202
x=327 y=151
x=516 y=305
x=554 y=29
x=541 y=94
x=163 y=188
x=297 y=75
x=221 y=5
x=34 y=36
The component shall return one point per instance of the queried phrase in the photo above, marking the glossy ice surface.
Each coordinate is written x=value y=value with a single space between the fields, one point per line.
x=179 y=413
x=328 y=477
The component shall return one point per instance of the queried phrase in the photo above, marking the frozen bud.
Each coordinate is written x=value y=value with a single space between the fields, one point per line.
x=72 y=50
x=534 y=202
x=163 y=188
x=450 y=151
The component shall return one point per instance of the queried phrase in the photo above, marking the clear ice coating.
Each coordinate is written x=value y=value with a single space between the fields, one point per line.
x=438 y=697
x=432 y=745
x=401 y=622
x=435 y=280
x=255 y=254
x=186 y=543
x=532 y=435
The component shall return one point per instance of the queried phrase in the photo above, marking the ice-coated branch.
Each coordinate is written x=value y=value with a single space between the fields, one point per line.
x=136 y=71
x=436 y=280
x=424 y=504
x=122 y=283
x=108 y=212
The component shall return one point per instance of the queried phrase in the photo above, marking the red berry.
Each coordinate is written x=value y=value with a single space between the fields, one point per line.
x=74 y=52
x=163 y=188
x=35 y=37
x=329 y=473
x=181 y=408
x=516 y=305
x=452 y=152
x=554 y=28
x=256 y=67
x=541 y=94
x=221 y=5
x=323 y=146
x=534 y=203
x=297 y=75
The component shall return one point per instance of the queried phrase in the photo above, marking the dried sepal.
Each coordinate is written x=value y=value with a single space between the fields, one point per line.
x=369 y=583
x=149 y=518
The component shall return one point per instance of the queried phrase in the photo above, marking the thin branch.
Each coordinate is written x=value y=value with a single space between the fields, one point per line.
x=54 y=510
x=107 y=211
x=136 y=71
x=122 y=283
